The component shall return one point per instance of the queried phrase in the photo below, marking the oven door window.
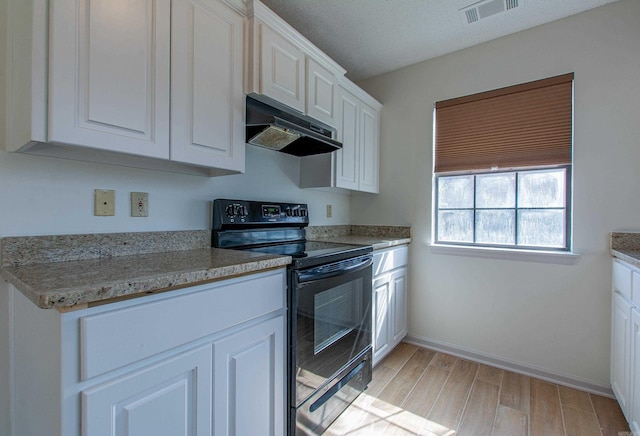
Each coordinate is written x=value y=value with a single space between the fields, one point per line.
x=332 y=326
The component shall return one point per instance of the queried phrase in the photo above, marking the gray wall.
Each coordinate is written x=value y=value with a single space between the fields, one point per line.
x=547 y=316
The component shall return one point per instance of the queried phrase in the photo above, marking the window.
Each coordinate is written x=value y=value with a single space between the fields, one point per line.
x=502 y=167
x=523 y=209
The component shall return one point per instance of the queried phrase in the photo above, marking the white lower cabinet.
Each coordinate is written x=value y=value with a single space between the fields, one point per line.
x=208 y=359
x=634 y=421
x=625 y=341
x=169 y=398
x=389 y=300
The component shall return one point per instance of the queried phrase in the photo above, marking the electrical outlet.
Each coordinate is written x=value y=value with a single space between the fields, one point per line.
x=139 y=204
x=329 y=207
x=104 y=202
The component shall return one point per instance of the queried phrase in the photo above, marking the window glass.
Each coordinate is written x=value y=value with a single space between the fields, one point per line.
x=455 y=225
x=541 y=228
x=455 y=192
x=541 y=189
x=495 y=227
x=520 y=209
x=496 y=190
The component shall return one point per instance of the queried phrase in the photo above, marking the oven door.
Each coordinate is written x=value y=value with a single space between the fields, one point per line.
x=330 y=322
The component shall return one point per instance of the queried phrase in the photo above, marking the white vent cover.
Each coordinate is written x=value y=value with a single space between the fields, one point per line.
x=487 y=8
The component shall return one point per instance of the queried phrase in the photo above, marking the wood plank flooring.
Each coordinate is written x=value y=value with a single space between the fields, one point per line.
x=416 y=391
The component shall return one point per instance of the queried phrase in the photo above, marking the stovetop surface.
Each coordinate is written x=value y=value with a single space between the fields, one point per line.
x=309 y=253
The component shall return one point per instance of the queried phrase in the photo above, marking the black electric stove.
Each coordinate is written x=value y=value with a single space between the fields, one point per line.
x=329 y=291
x=274 y=228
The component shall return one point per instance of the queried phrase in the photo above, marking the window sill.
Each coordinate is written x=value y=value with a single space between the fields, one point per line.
x=562 y=258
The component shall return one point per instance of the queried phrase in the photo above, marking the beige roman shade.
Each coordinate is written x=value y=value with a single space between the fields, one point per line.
x=527 y=125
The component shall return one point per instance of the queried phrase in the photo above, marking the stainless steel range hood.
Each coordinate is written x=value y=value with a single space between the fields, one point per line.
x=275 y=126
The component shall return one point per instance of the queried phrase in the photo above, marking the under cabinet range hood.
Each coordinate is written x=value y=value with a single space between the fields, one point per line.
x=276 y=127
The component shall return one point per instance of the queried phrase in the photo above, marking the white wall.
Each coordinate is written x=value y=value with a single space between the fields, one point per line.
x=553 y=317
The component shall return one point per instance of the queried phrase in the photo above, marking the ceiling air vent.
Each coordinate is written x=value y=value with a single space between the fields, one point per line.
x=487 y=8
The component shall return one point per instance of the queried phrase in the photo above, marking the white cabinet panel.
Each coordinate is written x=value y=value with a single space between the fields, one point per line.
x=389 y=300
x=348 y=133
x=620 y=350
x=369 y=149
x=399 y=280
x=321 y=93
x=168 y=399
x=249 y=381
x=207 y=99
x=109 y=75
x=634 y=420
x=282 y=69
x=621 y=279
x=381 y=319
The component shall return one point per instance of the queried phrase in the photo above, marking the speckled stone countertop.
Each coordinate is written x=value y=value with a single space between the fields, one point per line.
x=151 y=262
x=379 y=237
x=626 y=247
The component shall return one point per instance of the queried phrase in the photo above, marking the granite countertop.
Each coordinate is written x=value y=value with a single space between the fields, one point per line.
x=379 y=237
x=90 y=275
x=377 y=243
x=68 y=272
x=626 y=247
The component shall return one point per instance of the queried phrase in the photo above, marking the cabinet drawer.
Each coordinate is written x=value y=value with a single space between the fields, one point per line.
x=635 y=288
x=387 y=260
x=622 y=279
x=113 y=339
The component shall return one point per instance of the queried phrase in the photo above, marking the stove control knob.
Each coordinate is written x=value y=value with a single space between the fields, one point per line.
x=230 y=211
x=240 y=210
x=303 y=212
x=288 y=212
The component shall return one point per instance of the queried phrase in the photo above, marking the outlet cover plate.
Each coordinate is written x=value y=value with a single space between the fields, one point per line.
x=104 y=203
x=139 y=204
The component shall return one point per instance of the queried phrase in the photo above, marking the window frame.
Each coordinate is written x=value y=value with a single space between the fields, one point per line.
x=568 y=201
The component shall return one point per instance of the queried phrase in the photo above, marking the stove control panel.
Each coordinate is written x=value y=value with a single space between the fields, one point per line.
x=229 y=214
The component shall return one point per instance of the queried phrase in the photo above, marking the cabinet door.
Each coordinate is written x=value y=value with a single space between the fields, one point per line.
x=282 y=69
x=381 y=317
x=369 y=149
x=109 y=75
x=399 y=305
x=348 y=157
x=207 y=99
x=249 y=381
x=321 y=93
x=620 y=350
x=168 y=399
x=634 y=396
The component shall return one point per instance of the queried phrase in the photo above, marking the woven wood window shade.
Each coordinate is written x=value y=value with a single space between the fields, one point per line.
x=527 y=125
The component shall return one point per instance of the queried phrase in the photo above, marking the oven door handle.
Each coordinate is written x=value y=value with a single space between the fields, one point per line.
x=322 y=272
x=342 y=383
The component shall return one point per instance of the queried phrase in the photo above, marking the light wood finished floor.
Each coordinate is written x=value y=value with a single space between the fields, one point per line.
x=416 y=391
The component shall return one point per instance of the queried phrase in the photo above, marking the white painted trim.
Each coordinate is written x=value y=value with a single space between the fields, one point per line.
x=557 y=257
x=514 y=366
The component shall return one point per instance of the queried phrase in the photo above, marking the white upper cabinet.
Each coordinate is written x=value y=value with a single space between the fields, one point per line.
x=356 y=166
x=347 y=159
x=369 y=148
x=109 y=75
x=282 y=69
x=283 y=65
x=125 y=81
x=207 y=99
x=322 y=87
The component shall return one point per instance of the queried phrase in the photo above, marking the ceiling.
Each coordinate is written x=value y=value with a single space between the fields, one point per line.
x=371 y=37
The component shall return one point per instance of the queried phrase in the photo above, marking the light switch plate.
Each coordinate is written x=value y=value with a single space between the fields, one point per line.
x=104 y=202
x=139 y=204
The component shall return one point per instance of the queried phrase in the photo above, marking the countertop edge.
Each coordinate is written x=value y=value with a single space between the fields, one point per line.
x=631 y=257
x=139 y=286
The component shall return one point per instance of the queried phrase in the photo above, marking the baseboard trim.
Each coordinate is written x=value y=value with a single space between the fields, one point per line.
x=518 y=367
